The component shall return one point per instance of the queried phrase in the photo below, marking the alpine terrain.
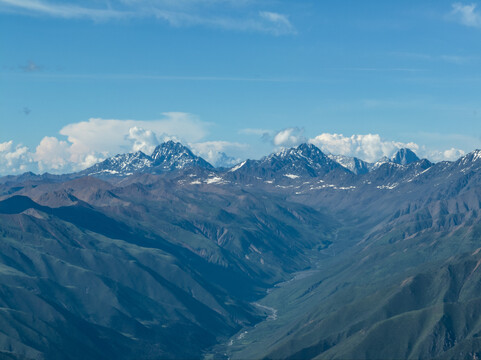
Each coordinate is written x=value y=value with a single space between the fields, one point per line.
x=298 y=255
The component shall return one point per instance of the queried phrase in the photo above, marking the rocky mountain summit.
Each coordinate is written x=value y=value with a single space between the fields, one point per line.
x=168 y=156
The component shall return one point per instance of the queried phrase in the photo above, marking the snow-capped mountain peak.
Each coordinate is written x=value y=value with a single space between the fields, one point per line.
x=355 y=165
x=303 y=160
x=120 y=164
x=166 y=157
x=469 y=161
x=402 y=157
x=173 y=155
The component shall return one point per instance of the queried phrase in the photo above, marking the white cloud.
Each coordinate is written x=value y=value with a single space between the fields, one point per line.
x=450 y=155
x=52 y=154
x=63 y=10
x=289 y=137
x=112 y=136
x=266 y=22
x=91 y=141
x=14 y=159
x=6 y=146
x=467 y=14
x=369 y=147
x=215 y=152
x=144 y=140
x=225 y=14
x=280 y=23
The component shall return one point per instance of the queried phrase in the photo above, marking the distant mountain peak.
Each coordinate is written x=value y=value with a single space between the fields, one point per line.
x=404 y=156
x=304 y=150
x=303 y=160
x=308 y=147
x=470 y=159
x=173 y=155
x=169 y=147
x=355 y=165
x=167 y=156
x=473 y=155
x=120 y=165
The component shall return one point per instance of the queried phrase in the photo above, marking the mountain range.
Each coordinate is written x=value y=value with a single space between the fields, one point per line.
x=306 y=159
x=298 y=255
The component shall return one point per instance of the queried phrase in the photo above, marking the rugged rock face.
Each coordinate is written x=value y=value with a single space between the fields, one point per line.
x=404 y=157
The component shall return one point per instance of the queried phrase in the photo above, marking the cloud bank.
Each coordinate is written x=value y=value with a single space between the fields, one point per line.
x=88 y=142
x=85 y=143
x=289 y=137
x=368 y=147
x=111 y=136
x=371 y=147
x=14 y=159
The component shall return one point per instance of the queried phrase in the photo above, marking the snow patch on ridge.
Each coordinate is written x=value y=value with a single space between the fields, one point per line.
x=214 y=180
x=237 y=167
x=388 y=187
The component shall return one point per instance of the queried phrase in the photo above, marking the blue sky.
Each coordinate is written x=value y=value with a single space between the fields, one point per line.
x=83 y=80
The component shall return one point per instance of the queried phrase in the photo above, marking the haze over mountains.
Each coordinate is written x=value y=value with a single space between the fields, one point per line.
x=296 y=255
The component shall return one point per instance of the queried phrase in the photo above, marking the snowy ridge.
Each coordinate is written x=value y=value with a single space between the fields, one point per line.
x=304 y=160
x=166 y=157
x=355 y=165
x=237 y=167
